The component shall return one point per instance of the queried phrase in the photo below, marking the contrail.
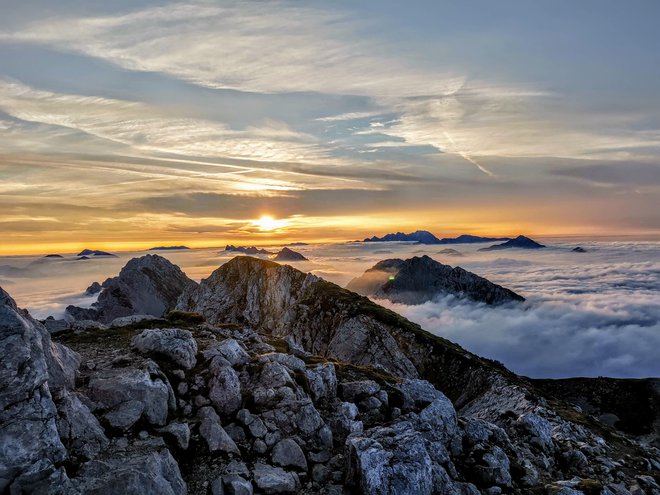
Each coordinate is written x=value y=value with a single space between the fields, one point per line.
x=467 y=157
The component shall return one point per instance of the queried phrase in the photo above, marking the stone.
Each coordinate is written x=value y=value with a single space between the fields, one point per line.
x=175 y=344
x=272 y=479
x=236 y=485
x=537 y=428
x=230 y=350
x=212 y=432
x=359 y=390
x=225 y=390
x=27 y=412
x=79 y=429
x=122 y=391
x=179 y=432
x=417 y=394
x=322 y=381
x=156 y=473
x=287 y=453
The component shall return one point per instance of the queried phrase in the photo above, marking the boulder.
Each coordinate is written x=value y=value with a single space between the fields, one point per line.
x=210 y=428
x=322 y=381
x=175 y=344
x=79 y=429
x=272 y=479
x=287 y=453
x=225 y=390
x=156 y=473
x=129 y=394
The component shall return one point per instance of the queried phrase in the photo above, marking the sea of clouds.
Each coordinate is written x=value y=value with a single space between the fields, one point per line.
x=587 y=314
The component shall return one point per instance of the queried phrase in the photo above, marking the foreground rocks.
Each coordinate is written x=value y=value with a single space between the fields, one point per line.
x=174 y=406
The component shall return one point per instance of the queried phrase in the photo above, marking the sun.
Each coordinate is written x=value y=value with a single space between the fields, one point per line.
x=266 y=223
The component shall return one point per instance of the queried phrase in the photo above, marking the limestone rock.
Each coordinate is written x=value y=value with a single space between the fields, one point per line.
x=287 y=453
x=272 y=479
x=175 y=344
x=215 y=436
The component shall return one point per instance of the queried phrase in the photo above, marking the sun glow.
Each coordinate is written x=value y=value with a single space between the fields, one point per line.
x=267 y=223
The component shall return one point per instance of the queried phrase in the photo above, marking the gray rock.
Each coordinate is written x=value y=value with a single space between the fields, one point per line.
x=212 y=432
x=180 y=432
x=287 y=453
x=417 y=394
x=173 y=343
x=225 y=390
x=79 y=429
x=27 y=412
x=390 y=460
x=43 y=478
x=538 y=429
x=149 y=285
x=230 y=350
x=236 y=485
x=322 y=381
x=272 y=479
x=122 y=390
x=150 y=474
x=56 y=326
x=495 y=468
x=357 y=391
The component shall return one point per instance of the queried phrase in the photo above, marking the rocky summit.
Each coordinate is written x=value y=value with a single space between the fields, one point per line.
x=291 y=385
x=420 y=279
x=287 y=254
x=149 y=285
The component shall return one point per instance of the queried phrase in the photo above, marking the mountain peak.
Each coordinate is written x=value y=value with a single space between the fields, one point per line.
x=421 y=278
x=520 y=242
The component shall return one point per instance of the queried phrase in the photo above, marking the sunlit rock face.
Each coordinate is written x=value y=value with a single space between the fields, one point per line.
x=420 y=279
x=148 y=285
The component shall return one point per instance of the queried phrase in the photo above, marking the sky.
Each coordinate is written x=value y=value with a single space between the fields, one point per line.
x=129 y=124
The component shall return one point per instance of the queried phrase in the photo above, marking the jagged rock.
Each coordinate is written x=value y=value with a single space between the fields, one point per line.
x=148 y=285
x=494 y=469
x=272 y=479
x=79 y=429
x=357 y=391
x=225 y=390
x=538 y=429
x=231 y=484
x=287 y=453
x=56 y=326
x=43 y=478
x=215 y=436
x=254 y=423
x=322 y=381
x=175 y=344
x=230 y=350
x=125 y=392
x=93 y=289
x=27 y=412
x=420 y=279
x=418 y=394
x=390 y=460
x=180 y=432
x=150 y=474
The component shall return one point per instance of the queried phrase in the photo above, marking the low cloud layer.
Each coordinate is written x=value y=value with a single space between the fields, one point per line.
x=590 y=314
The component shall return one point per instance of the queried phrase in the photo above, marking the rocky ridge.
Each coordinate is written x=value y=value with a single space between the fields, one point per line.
x=420 y=279
x=150 y=285
x=241 y=405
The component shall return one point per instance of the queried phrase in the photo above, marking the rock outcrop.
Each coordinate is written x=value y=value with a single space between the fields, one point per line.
x=520 y=242
x=148 y=285
x=420 y=279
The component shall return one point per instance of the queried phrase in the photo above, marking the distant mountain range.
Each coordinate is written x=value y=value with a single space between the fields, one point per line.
x=520 y=242
x=168 y=248
x=252 y=250
x=94 y=252
x=426 y=237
